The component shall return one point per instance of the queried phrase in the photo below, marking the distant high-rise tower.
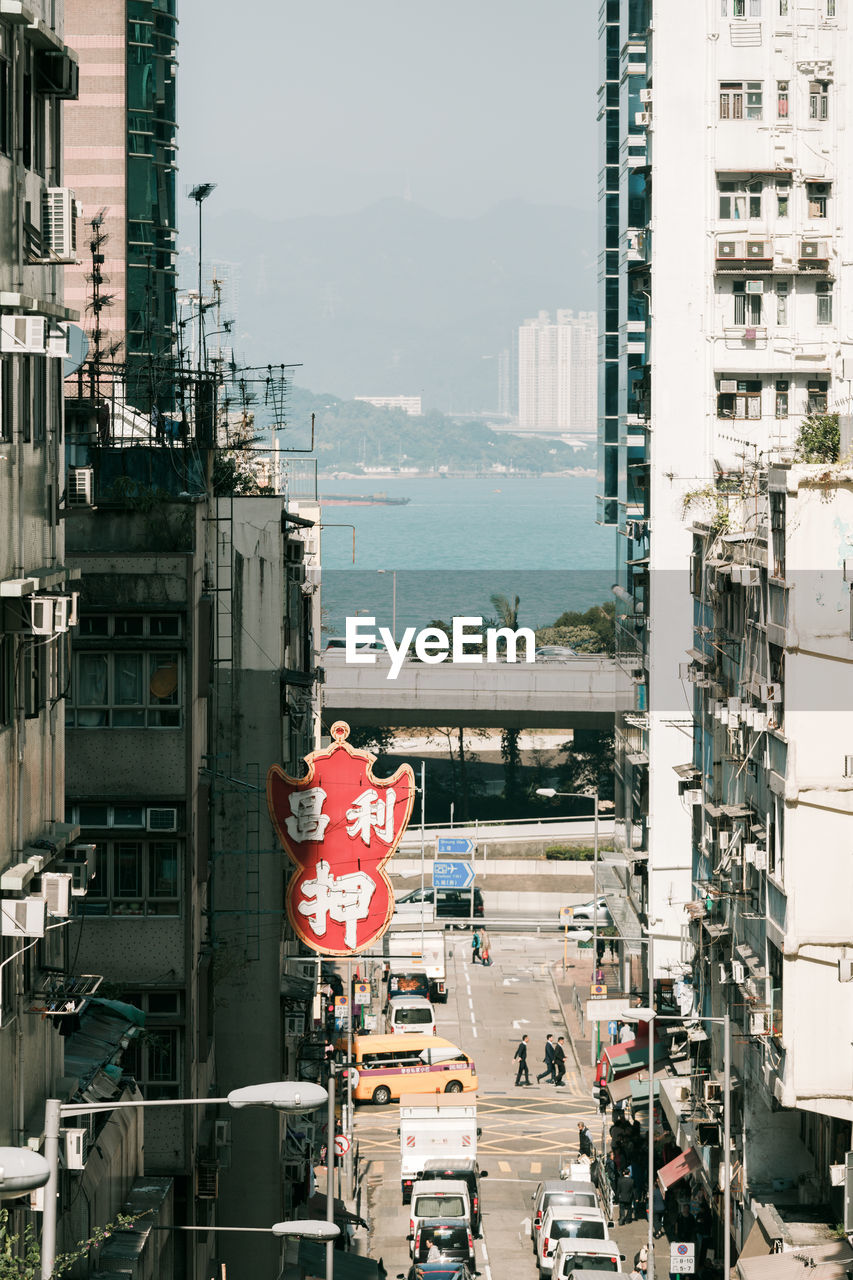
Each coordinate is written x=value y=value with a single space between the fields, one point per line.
x=120 y=158
x=556 y=373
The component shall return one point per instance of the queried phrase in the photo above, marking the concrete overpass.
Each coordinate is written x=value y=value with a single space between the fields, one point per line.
x=578 y=693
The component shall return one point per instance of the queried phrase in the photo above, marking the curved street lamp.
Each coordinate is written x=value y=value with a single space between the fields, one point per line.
x=292 y=1097
x=21 y=1171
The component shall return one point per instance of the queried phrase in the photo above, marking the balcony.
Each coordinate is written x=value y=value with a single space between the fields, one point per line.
x=745 y=337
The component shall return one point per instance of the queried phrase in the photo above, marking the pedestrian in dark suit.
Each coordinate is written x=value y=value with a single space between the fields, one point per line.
x=560 y=1061
x=521 y=1056
x=625 y=1196
x=584 y=1139
x=548 y=1073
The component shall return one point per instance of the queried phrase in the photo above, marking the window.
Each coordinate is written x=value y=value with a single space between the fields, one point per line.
x=154 y=1058
x=823 y=290
x=817 y=195
x=39 y=369
x=783 y=198
x=740 y=100
x=830 y=8
x=129 y=626
x=783 y=8
x=782 y=99
x=7 y=668
x=782 y=289
x=739 y=200
x=134 y=878
x=125 y=690
x=818 y=100
x=25 y=397
x=816 y=397
x=5 y=93
x=740 y=8
x=6 y=400
x=744 y=402
x=747 y=305
x=781 y=398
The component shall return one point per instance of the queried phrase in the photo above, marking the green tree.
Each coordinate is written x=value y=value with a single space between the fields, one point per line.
x=819 y=439
x=581 y=638
x=372 y=738
x=587 y=765
x=600 y=619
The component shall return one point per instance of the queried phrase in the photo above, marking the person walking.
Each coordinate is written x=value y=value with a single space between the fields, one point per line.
x=475 y=946
x=611 y=947
x=521 y=1056
x=485 y=947
x=599 y=951
x=584 y=1139
x=548 y=1073
x=625 y=1196
x=658 y=1207
x=560 y=1062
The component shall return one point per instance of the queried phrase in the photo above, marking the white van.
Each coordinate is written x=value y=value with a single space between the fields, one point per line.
x=410 y=1015
x=566 y=1222
x=446 y=1199
x=573 y=1255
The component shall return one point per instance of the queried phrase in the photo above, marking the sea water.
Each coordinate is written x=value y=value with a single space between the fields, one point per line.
x=456 y=543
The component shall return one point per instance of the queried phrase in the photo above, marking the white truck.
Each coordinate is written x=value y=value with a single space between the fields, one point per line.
x=416 y=952
x=441 y=1126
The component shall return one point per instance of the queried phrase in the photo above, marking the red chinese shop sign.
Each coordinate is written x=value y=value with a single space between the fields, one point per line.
x=339 y=825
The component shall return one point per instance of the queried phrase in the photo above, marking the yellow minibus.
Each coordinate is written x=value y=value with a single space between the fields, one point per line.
x=386 y=1066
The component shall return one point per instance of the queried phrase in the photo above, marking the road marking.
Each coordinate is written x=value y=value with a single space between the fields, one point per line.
x=474 y=1032
x=470 y=1003
x=486 y=1261
x=535 y=1166
x=504 y=1167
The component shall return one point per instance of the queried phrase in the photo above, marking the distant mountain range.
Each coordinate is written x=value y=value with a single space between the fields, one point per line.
x=398 y=300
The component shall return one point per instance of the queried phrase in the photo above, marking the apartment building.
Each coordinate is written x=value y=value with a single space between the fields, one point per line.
x=724 y=228
x=120 y=152
x=726 y=208
x=556 y=373
x=769 y=789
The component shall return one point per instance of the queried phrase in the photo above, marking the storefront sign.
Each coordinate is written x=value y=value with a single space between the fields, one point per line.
x=339 y=826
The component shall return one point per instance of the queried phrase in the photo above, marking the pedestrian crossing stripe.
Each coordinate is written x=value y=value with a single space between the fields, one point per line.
x=504 y=1166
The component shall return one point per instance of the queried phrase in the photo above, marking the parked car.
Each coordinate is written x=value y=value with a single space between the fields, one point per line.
x=453 y=1240
x=467 y=1171
x=582 y=914
x=566 y=1192
x=554 y=652
x=453 y=903
x=566 y=1222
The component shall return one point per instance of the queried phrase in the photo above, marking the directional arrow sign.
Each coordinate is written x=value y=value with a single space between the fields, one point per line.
x=452 y=875
x=456 y=845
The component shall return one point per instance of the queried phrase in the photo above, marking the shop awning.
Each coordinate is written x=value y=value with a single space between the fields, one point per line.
x=348 y=1266
x=687 y=1162
x=633 y=1086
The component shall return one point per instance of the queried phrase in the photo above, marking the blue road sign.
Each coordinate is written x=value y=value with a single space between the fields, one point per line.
x=613 y=1028
x=452 y=875
x=452 y=844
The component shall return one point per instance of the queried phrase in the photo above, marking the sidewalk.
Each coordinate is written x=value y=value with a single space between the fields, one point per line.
x=573 y=988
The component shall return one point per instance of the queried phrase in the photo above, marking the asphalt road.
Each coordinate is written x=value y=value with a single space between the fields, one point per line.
x=527 y=1133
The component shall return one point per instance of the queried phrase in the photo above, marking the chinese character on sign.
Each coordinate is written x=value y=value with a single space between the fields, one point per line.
x=345 y=899
x=369 y=813
x=339 y=825
x=308 y=821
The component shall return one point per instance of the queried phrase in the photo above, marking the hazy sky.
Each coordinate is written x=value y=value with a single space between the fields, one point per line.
x=324 y=106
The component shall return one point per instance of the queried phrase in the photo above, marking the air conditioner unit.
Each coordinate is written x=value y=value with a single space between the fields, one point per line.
x=76 y=1148
x=294 y=1024
x=645 y=95
x=728 y=387
x=760 y=859
x=819 y=188
x=41 y=615
x=724 y=837
x=56 y=891
x=756 y=249
x=643 y=118
x=727 y=249
x=848 y=766
x=692 y=796
x=81 y=487
x=845 y=969
x=23 y=335
x=811 y=249
x=222 y=1132
x=724 y=973
x=750 y=575
x=738 y=972
x=162 y=820
x=59 y=222
x=712 y=1091
x=57 y=341
x=759 y=1023
x=81 y=870
x=771 y=692
x=22 y=917
x=755 y=286
x=749 y=853
x=61 y=613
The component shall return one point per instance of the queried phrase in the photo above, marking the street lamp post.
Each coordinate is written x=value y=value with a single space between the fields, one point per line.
x=650 y=1016
x=550 y=793
x=293 y=1098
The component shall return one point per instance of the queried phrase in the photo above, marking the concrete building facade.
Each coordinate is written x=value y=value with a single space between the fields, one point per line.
x=556 y=373
x=724 y=229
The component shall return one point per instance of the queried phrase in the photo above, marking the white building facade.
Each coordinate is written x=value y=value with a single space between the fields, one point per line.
x=556 y=373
